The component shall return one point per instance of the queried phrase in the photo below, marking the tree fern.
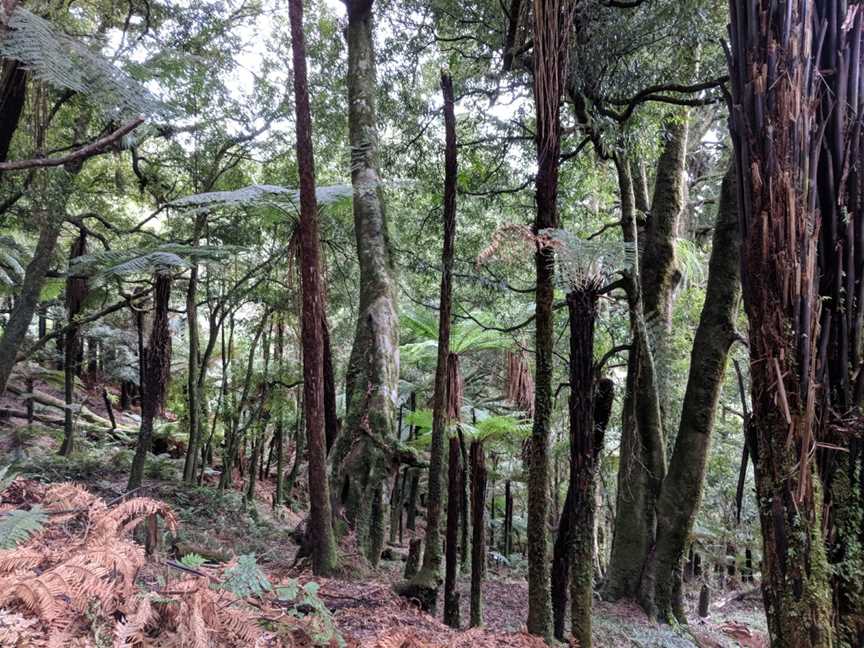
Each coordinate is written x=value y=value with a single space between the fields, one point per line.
x=17 y=526
x=114 y=263
x=259 y=195
x=64 y=62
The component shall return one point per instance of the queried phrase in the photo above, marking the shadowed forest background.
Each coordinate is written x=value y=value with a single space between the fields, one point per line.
x=408 y=324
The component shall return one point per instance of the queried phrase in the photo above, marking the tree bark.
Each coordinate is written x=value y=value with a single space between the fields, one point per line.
x=157 y=371
x=360 y=467
x=681 y=492
x=320 y=530
x=772 y=50
x=428 y=578
x=13 y=92
x=76 y=293
x=454 y=500
x=478 y=528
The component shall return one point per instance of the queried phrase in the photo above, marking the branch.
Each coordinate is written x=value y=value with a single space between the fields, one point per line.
x=81 y=154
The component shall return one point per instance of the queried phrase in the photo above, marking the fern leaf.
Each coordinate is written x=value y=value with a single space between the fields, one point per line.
x=17 y=526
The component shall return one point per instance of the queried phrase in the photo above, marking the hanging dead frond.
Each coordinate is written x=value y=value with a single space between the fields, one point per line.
x=519 y=387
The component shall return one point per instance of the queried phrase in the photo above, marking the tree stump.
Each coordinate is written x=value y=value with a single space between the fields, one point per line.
x=704 y=600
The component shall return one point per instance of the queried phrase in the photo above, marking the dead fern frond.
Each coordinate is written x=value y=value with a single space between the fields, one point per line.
x=130 y=632
x=124 y=518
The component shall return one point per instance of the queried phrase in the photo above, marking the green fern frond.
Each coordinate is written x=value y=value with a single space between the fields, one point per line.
x=259 y=195
x=246 y=578
x=17 y=526
x=112 y=263
x=64 y=62
x=6 y=477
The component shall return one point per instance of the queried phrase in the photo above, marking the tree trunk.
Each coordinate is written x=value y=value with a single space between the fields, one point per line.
x=454 y=500
x=414 y=487
x=13 y=92
x=478 y=526
x=157 y=372
x=642 y=456
x=194 y=387
x=360 y=466
x=76 y=293
x=772 y=50
x=320 y=529
x=682 y=489
x=508 y=519
x=550 y=44
x=428 y=578
x=331 y=420
x=464 y=509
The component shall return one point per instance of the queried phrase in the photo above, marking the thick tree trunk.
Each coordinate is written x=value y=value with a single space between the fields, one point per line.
x=682 y=489
x=428 y=578
x=157 y=371
x=776 y=86
x=360 y=467
x=642 y=456
x=454 y=501
x=320 y=530
x=478 y=527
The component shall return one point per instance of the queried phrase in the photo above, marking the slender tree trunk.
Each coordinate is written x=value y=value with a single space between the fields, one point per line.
x=193 y=392
x=508 y=519
x=279 y=438
x=157 y=371
x=478 y=526
x=682 y=489
x=428 y=578
x=454 y=500
x=76 y=293
x=464 y=509
x=320 y=529
x=331 y=421
x=551 y=29
x=414 y=487
x=360 y=467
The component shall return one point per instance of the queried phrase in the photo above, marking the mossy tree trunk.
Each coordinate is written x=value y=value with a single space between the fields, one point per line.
x=320 y=528
x=360 y=466
x=681 y=492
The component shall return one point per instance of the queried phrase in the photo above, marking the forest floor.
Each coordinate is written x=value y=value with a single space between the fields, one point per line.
x=366 y=612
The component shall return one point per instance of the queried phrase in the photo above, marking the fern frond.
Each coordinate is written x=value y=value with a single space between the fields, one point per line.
x=64 y=62
x=262 y=195
x=130 y=632
x=17 y=526
x=20 y=558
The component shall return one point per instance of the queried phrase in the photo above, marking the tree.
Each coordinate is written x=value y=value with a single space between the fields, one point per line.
x=155 y=372
x=373 y=369
x=551 y=30
x=320 y=531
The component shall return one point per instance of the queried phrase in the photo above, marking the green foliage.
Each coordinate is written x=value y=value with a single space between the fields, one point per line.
x=6 y=477
x=324 y=627
x=193 y=560
x=246 y=578
x=18 y=525
x=495 y=427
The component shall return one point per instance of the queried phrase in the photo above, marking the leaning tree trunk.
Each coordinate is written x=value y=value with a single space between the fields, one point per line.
x=76 y=293
x=157 y=373
x=776 y=86
x=426 y=582
x=551 y=30
x=34 y=277
x=360 y=466
x=682 y=489
x=320 y=530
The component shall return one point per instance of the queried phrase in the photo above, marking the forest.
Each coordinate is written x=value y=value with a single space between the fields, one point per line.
x=427 y=323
